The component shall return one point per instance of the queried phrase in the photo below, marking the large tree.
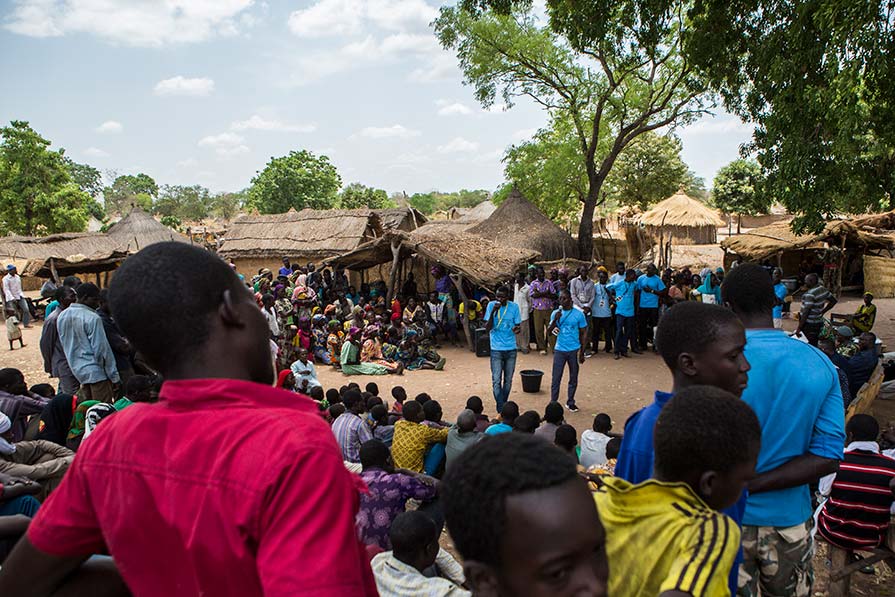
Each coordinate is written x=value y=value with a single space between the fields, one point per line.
x=615 y=68
x=90 y=181
x=429 y=203
x=816 y=78
x=298 y=180
x=227 y=205
x=649 y=170
x=738 y=189
x=37 y=195
x=356 y=196
x=183 y=202
x=129 y=190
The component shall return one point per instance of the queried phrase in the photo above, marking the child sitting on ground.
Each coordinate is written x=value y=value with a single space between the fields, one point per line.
x=400 y=395
x=13 y=331
x=593 y=441
x=566 y=439
x=665 y=536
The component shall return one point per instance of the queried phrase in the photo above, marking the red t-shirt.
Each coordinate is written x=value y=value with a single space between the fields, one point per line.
x=222 y=488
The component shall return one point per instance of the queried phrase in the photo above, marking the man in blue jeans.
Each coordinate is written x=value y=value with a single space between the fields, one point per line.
x=569 y=325
x=502 y=320
x=623 y=292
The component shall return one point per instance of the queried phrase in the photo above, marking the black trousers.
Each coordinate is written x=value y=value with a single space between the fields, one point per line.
x=604 y=325
x=647 y=319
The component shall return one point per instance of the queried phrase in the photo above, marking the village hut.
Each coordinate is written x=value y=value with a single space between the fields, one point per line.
x=261 y=241
x=683 y=220
x=518 y=223
x=401 y=218
x=479 y=213
x=138 y=229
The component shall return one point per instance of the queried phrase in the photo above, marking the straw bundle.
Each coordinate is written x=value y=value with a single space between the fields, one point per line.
x=879 y=276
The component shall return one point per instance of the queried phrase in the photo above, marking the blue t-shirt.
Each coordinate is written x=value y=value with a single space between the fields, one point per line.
x=650 y=300
x=624 y=297
x=570 y=322
x=794 y=390
x=780 y=291
x=498 y=428
x=502 y=336
x=602 y=302
x=636 y=458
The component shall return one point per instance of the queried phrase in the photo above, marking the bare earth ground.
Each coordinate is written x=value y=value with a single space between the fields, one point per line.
x=617 y=388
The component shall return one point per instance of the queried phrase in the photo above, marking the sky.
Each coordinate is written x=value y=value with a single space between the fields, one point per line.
x=207 y=91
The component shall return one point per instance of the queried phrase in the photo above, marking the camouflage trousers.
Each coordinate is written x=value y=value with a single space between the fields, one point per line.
x=777 y=560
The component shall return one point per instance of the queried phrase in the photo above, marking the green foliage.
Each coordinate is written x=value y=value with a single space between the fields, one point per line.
x=649 y=170
x=737 y=189
x=298 y=180
x=37 y=195
x=356 y=196
x=130 y=190
x=184 y=203
x=227 y=205
x=171 y=221
x=85 y=176
x=429 y=203
x=612 y=68
x=816 y=78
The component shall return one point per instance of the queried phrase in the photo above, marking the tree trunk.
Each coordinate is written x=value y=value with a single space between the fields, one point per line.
x=396 y=253
x=458 y=282
x=586 y=227
x=739 y=222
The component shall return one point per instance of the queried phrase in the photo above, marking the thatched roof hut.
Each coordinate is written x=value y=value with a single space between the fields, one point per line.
x=684 y=220
x=401 y=218
x=139 y=229
x=308 y=235
x=518 y=223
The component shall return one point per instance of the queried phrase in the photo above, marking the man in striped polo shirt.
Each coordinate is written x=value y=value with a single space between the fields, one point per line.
x=856 y=515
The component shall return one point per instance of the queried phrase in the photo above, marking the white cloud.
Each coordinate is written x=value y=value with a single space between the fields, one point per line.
x=225 y=144
x=718 y=125
x=95 y=152
x=523 y=135
x=187 y=163
x=110 y=127
x=259 y=123
x=448 y=108
x=383 y=132
x=332 y=18
x=441 y=66
x=181 y=85
x=459 y=145
x=129 y=22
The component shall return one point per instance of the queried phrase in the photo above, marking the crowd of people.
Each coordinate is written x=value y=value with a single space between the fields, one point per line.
x=242 y=474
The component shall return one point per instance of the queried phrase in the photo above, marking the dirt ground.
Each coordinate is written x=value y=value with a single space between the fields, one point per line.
x=618 y=388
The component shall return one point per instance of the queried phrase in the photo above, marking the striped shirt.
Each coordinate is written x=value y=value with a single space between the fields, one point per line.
x=663 y=537
x=856 y=516
x=351 y=431
x=813 y=302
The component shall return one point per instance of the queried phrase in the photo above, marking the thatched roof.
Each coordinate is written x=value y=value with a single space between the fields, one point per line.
x=518 y=223
x=681 y=210
x=307 y=234
x=139 y=229
x=401 y=218
x=479 y=213
x=874 y=231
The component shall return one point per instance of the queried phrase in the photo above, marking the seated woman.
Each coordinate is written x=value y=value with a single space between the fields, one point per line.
x=412 y=357
x=334 y=342
x=350 y=357
x=371 y=352
x=864 y=318
x=305 y=373
x=38 y=460
x=318 y=337
x=413 y=312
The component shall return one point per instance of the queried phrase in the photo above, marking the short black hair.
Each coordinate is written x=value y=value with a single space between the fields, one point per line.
x=379 y=413
x=553 y=412
x=474 y=403
x=316 y=392
x=863 y=428
x=410 y=533
x=163 y=330
x=749 y=290
x=704 y=427
x=476 y=486
x=373 y=453
x=333 y=396
x=10 y=376
x=343 y=389
x=336 y=410
x=423 y=398
x=372 y=388
x=62 y=291
x=399 y=393
x=137 y=384
x=602 y=423
x=351 y=399
x=613 y=447
x=372 y=401
x=43 y=389
x=691 y=327
x=88 y=290
x=509 y=412
x=566 y=437
x=354 y=385
x=527 y=422
x=432 y=410
x=412 y=410
x=71 y=281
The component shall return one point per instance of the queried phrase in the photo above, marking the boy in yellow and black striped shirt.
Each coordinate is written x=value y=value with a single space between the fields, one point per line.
x=665 y=536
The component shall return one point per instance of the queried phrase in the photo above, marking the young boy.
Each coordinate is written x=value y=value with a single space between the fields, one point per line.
x=594 y=441
x=13 y=331
x=665 y=536
x=523 y=521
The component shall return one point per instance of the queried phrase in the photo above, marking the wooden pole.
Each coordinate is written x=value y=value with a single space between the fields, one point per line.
x=458 y=282
x=396 y=253
x=53 y=272
x=839 y=559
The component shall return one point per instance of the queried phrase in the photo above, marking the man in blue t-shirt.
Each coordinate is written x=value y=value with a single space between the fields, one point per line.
x=780 y=292
x=623 y=292
x=651 y=287
x=502 y=320
x=569 y=325
x=794 y=390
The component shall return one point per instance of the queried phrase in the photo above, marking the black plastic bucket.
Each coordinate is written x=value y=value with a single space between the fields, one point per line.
x=531 y=380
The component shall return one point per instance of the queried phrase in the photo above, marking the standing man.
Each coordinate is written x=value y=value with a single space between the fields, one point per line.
x=12 y=290
x=582 y=290
x=602 y=313
x=286 y=270
x=570 y=327
x=780 y=292
x=816 y=301
x=120 y=346
x=86 y=347
x=502 y=320
x=523 y=300
x=623 y=294
x=55 y=363
x=794 y=390
x=650 y=286
x=619 y=274
x=543 y=293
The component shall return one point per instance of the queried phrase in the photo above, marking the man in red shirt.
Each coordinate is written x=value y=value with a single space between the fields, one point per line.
x=226 y=486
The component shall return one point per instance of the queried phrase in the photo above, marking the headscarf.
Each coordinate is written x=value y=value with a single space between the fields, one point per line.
x=353 y=331
x=6 y=448
x=55 y=420
x=302 y=291
x=371 y=330
x=95 y=414
x=396 y=316
x=281 y=378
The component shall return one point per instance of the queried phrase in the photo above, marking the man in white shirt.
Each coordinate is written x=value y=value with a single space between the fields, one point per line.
x=522 y=298
x=582 y=289
x=12 y=291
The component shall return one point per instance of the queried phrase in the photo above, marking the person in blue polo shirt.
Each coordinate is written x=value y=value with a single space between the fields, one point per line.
x=502 y=320
x=623 y=292
x=651 y=287
x=794 y=390
x=569 y=325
